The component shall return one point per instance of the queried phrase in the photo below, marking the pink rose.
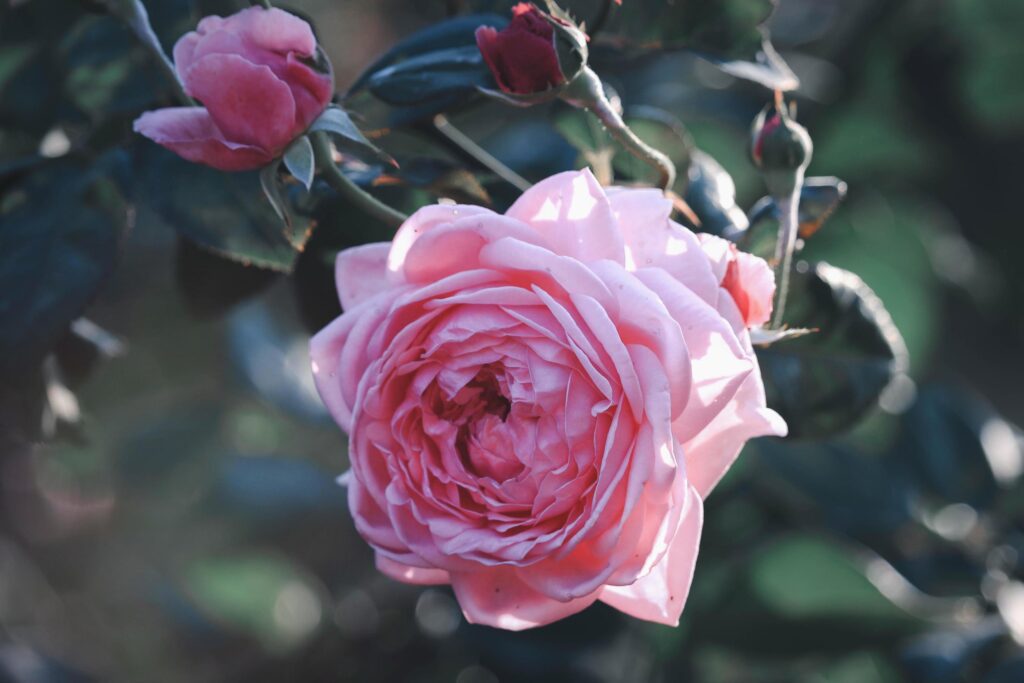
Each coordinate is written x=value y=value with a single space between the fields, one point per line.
x=251 y=72
x=747 y=278
x=538 y=402
x=522 y=56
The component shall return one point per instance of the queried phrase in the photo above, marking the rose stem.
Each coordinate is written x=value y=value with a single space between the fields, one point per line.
x=137 y=20
x=343 y=185
x=789 y=227
x=587 y=92
x=491 y=163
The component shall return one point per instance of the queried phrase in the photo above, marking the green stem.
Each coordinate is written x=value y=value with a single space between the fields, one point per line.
x=789 y=228
x=486 y=159
x=599 y=21
x=137 y=20
x=265 y=4
x=344 y=185
x=587 y=92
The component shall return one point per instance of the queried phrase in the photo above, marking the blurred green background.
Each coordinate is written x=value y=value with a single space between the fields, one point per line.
x=189 y=528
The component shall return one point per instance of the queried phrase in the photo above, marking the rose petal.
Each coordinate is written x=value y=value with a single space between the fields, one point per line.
x=192 y=134
x=497 y=597
x=661 y=595
x=361 y=273
x=571 y=210
x=415 y=575
x=249 y=104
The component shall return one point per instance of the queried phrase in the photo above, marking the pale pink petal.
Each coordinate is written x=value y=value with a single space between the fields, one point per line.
x=720 y=253
x=712 y=451
x=654 y=241
x=248 y=102
x=273 y=29
x=361 y=273
x=406 y=574
x=420 y=223
x=495 y=596
x=660 y=595
x=571 y=210
x=192 y=135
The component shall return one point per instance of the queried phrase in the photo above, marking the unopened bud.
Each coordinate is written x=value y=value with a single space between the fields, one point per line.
x=780 y=147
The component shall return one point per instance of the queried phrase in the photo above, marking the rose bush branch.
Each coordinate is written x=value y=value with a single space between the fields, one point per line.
x=486 y=159
x=587 y=92
x=782 y=149
x=328 y=169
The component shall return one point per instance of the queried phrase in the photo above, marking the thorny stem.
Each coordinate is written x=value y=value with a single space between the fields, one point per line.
x=489 y=161
x=587 y=92
x=343 y=185
x=789 y=227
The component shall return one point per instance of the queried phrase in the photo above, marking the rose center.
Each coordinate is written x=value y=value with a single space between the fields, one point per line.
x=484 y=440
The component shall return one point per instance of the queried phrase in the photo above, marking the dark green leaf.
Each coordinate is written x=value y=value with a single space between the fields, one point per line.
x=727 y=33
x=457 y=32
x=347 y=136
x=824 y=383
x=435 y=76
x=60 y=236
x=711 y=194
x=819 y=199
x=958 y=448
x=210 y=284
x=226 y=213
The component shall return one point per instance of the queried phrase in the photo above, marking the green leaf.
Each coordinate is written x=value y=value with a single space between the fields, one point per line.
x=826 y=382
x=801 y=593
x=263 y=596
x=347 y=136
x=226 y=213
x=730 y=34
x=61 y=231
x=299 y=161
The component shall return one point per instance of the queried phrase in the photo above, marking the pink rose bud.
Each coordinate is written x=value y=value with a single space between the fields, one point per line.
x=746 y=278
x=522 y=56
x=252 y=73
x=538 y=402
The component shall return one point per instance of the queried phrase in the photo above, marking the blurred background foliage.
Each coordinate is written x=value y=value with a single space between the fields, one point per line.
x=169 y=510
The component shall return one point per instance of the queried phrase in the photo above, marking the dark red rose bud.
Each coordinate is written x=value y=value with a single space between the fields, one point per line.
x=522 y=56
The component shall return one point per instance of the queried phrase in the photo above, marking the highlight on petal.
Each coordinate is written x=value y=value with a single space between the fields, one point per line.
x=192 y=134
x=574 y=214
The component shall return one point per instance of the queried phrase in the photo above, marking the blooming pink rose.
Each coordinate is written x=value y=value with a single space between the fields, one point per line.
x=251 y=73
x=522 y=56
x=747 y=278
x=538 y=402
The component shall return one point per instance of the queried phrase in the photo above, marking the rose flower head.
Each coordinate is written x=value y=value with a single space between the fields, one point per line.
x=538 y=402
x=253 y=73
x=523 y=56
